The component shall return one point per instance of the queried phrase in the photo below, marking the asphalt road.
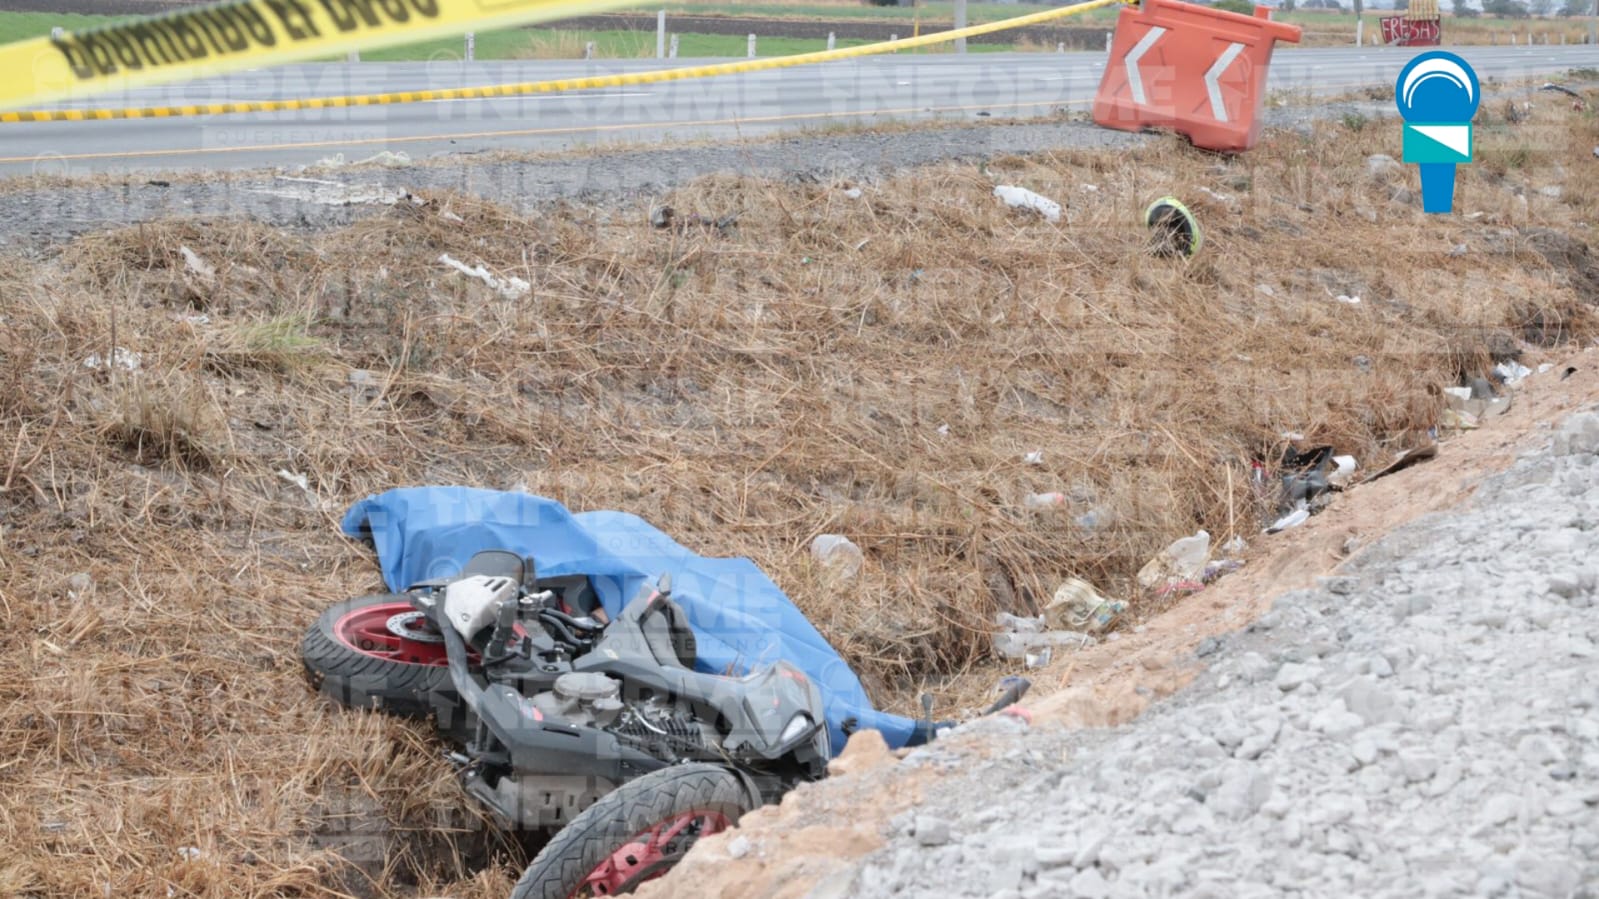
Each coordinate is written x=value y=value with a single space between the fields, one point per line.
x=874 y=89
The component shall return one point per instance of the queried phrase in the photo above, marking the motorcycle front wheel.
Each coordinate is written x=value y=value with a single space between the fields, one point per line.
x=378 y=653
x=635 y=833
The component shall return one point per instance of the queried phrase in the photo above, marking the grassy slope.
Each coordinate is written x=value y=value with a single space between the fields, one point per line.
x=875 y=367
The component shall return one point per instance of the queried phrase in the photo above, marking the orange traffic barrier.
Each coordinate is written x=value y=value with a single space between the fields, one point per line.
x=1196 y=70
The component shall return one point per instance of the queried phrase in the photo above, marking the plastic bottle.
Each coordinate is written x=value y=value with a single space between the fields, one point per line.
x=837 y=553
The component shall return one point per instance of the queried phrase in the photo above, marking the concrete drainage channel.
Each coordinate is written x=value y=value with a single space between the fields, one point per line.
x=1427 y=725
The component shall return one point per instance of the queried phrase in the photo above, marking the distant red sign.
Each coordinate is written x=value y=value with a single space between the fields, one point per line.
x=1403 y=32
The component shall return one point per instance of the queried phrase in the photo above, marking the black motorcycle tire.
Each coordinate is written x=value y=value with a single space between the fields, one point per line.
x=600 y=830
x=365 y=681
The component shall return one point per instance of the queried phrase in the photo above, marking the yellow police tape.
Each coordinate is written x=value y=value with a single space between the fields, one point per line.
x=238 y=34
x=536 y=87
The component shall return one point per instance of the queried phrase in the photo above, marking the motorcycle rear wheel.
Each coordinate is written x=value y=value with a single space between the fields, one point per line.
x=635 y=833
x=353 y=654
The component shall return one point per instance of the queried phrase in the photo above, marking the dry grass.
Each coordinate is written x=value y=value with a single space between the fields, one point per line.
x=875 y=367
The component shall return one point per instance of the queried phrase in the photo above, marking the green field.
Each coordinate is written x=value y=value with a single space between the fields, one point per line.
x=976 y=13
x=16 y=26
x=520 y=43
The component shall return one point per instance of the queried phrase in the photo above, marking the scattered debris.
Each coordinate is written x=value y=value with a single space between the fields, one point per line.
x=120 y=357
x=1407 y=458
x=1352 y=301
x=385 y=158
x=1184 y=559
x=1091 y=188
x=663 y=217
x=1220 y=567
x=942 y=430
x=1022 y=198
x=1511 y=373
x=1174 y=230
x=331 y=193
x=1094 y=519
x=196 y=319
x=1343 y=471
x=192 y=261
x=1580 y=105
x=1036 y=647
x=1307 y=478
x=1457 y=420
x=1458 y=249
x=510 y=288
x=1220 y=198
x=365 y=387
x=298 y=480
x=79 y=585
x=1234 y=546
x=1077 y=606
x=191 y=853
x=1382 y=167
x=1044 y=500
x=853 y=193
x=1292 y=520
x=1036 y=457
x=837 y=553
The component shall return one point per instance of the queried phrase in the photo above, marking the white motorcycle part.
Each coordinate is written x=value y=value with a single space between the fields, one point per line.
x=472 y=603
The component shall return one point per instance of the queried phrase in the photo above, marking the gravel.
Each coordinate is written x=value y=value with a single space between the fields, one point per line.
x=1442 y=741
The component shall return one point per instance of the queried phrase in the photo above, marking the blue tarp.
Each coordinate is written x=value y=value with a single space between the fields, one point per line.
x=740 y=618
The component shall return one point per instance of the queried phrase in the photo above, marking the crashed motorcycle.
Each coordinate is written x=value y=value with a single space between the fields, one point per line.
x=600 y=730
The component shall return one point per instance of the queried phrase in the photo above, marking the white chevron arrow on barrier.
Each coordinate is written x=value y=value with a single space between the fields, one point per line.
x=1213 y=80
x=1135 y=80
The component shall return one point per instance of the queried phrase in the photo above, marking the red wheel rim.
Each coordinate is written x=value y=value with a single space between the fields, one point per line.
x=366 y=630
x=650 y=853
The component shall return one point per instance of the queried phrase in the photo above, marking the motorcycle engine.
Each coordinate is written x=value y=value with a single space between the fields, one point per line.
x=663 y=731
x=582 y=698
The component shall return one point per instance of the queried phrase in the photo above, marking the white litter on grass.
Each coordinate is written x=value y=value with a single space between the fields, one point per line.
x=853 y=193
x=193 y=262
x=199 y=318
x=1511 y=372
x=330 y=193
x=1091 y=188
x=121 y=358
x=510 y=288
x=384 y=158
x=1292 y=520
x=298 y=480
x=1036 y=457
x=1022 y=198
x=1344 y=469
x=191 y=853
x=1545 y=366
x=943 y=430
x=1459 y=393
x=1220 y=198
x=1353 y=301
